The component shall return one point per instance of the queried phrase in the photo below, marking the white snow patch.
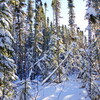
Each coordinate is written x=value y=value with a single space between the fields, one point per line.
x=67 y=97
x=91 y=11
x=88 y=27
x=1 y=43
x=1 y=75
x=67 y=90
x=49 y=98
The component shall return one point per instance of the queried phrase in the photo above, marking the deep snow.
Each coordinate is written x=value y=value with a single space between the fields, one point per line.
x=67 y=90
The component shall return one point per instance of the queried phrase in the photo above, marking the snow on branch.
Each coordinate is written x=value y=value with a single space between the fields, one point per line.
x=38 y=62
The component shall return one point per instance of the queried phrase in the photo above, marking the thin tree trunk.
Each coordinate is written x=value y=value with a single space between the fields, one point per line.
x=89 y=59
x=57 y=32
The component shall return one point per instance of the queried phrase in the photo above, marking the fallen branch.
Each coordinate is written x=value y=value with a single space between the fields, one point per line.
x=54 y=70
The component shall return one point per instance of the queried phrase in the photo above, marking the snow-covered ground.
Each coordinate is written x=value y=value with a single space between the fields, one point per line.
x=67 y=90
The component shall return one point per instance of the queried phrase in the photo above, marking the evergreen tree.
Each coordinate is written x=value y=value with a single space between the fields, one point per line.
x=71 y=16
x=7 y=66
x=57 y=37
x=23 y=30
x=39 y=25
x=53 y=8
x=19 y=30
x=89 y=55
x=30 y=38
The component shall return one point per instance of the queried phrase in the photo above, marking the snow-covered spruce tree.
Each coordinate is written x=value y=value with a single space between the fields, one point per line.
x=22 y=54
x=90 y=54
x=53 y=8
x=19 y=36
x=39 y=24
x=45 y=5
x=71 y=16
x=56 y=45
x=84 y=64
x=7 y=66
x=63 y=34
x=71 y=40
x=95 y=70
x=13 y=6
x=56 y=8
x=45 y=31
x=91 y=15
x=96 y=19
x=30 y=37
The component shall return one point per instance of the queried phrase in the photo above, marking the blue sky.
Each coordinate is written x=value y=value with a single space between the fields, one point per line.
x=79 y=12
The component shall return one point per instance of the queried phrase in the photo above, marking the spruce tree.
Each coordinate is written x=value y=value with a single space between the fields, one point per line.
x=30 y=38
x=19 y=30
x=90 y=52
x=71 y=16
x=7 y=66
x=39 y=24
x=53 y=8
x=58 y=42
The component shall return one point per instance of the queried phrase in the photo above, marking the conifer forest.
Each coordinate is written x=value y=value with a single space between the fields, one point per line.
x=42 y=59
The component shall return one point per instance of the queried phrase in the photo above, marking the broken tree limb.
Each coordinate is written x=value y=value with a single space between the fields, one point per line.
x=54 y=70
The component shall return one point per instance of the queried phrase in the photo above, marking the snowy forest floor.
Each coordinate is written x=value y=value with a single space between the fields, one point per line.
x=67 y=90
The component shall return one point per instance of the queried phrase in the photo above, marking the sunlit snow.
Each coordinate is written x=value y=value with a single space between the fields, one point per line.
x=67 y=90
